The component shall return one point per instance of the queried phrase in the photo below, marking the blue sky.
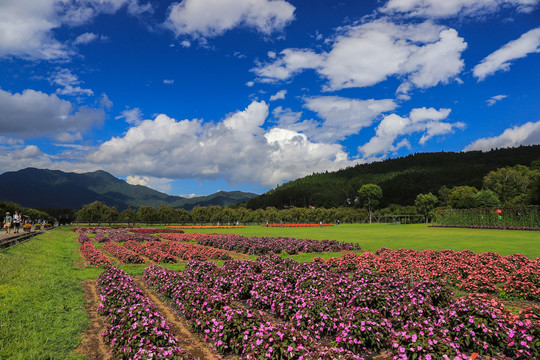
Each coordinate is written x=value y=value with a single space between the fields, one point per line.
x=196 y=96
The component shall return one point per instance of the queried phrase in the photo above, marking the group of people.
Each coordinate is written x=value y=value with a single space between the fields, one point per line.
x=12 y=221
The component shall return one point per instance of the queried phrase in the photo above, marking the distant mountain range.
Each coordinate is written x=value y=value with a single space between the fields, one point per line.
x=401 y=179
x=42 y=188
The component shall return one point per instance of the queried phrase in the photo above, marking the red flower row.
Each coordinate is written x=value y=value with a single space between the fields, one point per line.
x=151 y=251
x=93 y=255
x=123 y=254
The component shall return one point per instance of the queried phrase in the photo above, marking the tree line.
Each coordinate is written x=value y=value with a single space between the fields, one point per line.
x=509 y=186
x=400 y=179
x=32 y=214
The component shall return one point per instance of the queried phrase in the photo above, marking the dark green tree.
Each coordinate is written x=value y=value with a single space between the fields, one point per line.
x=425 y=203
x=128 y=216
x=487 y=199
x=369 y=196
x=463 y=197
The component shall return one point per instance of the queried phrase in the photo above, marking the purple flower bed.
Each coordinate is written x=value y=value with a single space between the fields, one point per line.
x=489 y=227
x=270 y=245
x=310 y=306
x=135 y=329
x=84 y=238
x=119 y=235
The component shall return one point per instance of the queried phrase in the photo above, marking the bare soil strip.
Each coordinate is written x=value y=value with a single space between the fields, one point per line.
x=188 y=341
x=92 y=345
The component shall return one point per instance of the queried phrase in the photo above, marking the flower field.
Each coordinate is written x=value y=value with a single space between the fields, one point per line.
x=123 y=254
x=513 y=276
x=263 y=245
x=280 y=309
x=135 y=329
x=93 y=255
x=296 y=225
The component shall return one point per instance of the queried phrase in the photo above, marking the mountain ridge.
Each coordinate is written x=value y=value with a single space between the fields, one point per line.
x=45 y=188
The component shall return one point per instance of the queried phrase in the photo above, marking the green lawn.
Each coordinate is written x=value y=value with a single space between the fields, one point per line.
x=418 y=237
x=42 y=303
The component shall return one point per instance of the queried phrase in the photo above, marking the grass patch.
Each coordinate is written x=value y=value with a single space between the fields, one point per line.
x=417 y=236
x=41 y=301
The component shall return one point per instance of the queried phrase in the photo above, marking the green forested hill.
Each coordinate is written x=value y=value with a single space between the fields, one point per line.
x=401 y=179
x=42 y=188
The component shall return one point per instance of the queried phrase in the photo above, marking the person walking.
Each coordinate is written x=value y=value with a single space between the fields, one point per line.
x=7 y=222
x=16 y=222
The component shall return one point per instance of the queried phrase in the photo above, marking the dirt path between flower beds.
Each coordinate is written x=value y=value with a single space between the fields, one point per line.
x=188 y=341
x=92 y=345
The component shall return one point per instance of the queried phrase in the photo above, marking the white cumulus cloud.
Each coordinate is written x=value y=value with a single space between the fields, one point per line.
x=210 y=18
x=526 y=134
x=343 y=116
x=501 y=59
x=422 y=54
x=280 y=95
x=451 y=8
x=237 y=149
x=27 y=26
x=69 y=83
x=427 y=121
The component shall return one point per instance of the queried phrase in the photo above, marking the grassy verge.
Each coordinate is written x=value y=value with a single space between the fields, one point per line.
x=41 y=302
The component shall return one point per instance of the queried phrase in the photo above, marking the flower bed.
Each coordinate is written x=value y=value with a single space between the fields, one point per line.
x=148 y=230
x=513 y=276
x=263 y=245
x=151 y=250
x=206 y=227
x=359 y=313
x=296 y=225
x=120 y=235
x=531 y=228
x=193 y=252
x=83 y=238
x=135 y=329
x=93 y=255
x=123 y=254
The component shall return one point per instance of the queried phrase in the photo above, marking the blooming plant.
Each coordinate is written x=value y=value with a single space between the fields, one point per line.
x=276 y=308
x=93 y=255
x=134 y=327
x=123 y=254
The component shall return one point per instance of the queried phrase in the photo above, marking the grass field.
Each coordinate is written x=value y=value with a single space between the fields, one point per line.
x=42 y=303
x=417 y=237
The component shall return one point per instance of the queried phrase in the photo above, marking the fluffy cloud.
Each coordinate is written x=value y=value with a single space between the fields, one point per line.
x=450 y=8
x=210 y=18
x=501 y=59
x=423 y=55
x=237 y=149
x=526 y=134
x=280 y=95
x=492 y=100
x=26 y=26
x=69 y=83
x=343 y=116
x=159 y=184
x=34 y=113
x=426 y=121
x=85 y=38
x=131 y=116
